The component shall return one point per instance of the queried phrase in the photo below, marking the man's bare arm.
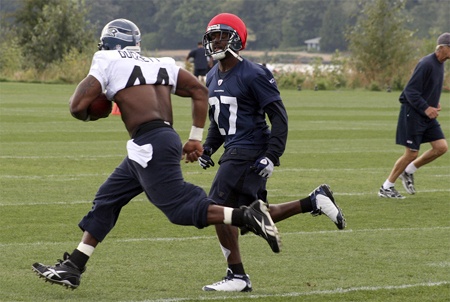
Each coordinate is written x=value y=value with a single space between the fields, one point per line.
x=87 y=90
x=190 y=86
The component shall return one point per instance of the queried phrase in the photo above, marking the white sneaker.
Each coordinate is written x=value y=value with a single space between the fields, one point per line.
x=231 y=283
x=408 y=182
x=390 y=193
x=323 y=203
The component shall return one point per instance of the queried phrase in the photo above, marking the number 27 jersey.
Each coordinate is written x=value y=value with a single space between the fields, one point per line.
x=236 y=100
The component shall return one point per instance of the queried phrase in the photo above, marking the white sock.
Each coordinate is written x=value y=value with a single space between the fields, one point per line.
x=411 y=168
x=227 y=214
x=387 y=184
x=85 y=249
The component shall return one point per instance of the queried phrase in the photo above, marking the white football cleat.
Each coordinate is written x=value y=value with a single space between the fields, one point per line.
x=323 y=203
x=231 y=283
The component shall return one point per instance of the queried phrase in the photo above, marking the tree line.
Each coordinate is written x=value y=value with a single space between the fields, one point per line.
x=377 y=34
x=272 y=24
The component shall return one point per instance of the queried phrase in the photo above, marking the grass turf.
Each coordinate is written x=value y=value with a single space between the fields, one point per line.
x=393 y=250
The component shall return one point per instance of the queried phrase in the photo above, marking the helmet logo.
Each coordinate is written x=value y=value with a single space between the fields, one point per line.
x=212 y=27
x=111 y=32
x=120 y=34
x=219 y=82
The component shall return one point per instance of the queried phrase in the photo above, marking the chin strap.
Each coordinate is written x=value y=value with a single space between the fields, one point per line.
x=221 y=55
x=234 y=54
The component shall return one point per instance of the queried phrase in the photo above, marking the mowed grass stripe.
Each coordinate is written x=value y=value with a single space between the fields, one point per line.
x=51 y=166
x=20 y=203
x=284 y=234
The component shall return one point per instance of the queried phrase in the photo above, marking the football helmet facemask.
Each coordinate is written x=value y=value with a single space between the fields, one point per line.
x=227 y=27
x=120 y=34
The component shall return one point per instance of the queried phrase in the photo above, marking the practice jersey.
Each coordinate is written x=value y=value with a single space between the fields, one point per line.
x=236 y=100
x=119 y=69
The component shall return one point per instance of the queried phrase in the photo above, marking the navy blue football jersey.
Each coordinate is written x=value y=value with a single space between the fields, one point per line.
x=236 y=100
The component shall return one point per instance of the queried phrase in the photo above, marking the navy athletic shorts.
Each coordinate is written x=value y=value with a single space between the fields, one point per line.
x=414 y=129
x=200 y=72
x=235 y=183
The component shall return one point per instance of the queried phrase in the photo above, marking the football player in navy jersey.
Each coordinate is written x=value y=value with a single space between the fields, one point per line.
x=142 y=89
x=241 y=94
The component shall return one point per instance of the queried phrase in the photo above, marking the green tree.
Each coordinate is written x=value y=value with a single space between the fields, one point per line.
x=379 y=42
x=261 y=21
x=333 y=28
x=428 y=16
x=192 y=22
x=302 y=20
x=50 y=29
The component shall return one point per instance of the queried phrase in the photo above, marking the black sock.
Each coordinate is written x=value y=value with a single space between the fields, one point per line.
x=306 y=205
x=79 y=259
x=237 y=269
x=237 y=217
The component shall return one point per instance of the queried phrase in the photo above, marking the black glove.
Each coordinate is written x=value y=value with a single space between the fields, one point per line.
x=205 y=160
x=263 y=166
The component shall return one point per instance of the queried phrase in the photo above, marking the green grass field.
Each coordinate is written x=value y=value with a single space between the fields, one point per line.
x=392 y=250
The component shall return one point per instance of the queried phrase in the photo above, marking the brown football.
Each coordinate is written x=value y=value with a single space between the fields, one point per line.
x=101 y=107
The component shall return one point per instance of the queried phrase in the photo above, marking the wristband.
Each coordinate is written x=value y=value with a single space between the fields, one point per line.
x=196 y=133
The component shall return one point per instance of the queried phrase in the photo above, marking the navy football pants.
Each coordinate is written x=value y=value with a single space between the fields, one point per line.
x=162 y=181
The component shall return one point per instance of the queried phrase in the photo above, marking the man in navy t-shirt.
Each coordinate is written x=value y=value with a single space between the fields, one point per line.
x=201 y=62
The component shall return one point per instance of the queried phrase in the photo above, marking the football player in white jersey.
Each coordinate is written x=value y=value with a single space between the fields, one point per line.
x=142 y=87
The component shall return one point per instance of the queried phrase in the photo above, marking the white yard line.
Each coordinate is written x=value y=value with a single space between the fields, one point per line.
x=190 y=238
x=299 y=294
x=272 y=195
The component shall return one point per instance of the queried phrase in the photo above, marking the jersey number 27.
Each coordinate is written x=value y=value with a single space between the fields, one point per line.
x=229 y=103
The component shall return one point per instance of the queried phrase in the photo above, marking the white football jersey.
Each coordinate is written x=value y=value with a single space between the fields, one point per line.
x=119 y=69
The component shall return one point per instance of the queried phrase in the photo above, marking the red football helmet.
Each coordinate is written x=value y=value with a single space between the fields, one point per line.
x=237 y=35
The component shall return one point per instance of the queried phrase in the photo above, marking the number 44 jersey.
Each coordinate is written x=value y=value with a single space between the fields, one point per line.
x=119 y=69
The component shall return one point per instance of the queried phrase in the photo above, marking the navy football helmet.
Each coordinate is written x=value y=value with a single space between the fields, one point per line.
x=120 y=34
